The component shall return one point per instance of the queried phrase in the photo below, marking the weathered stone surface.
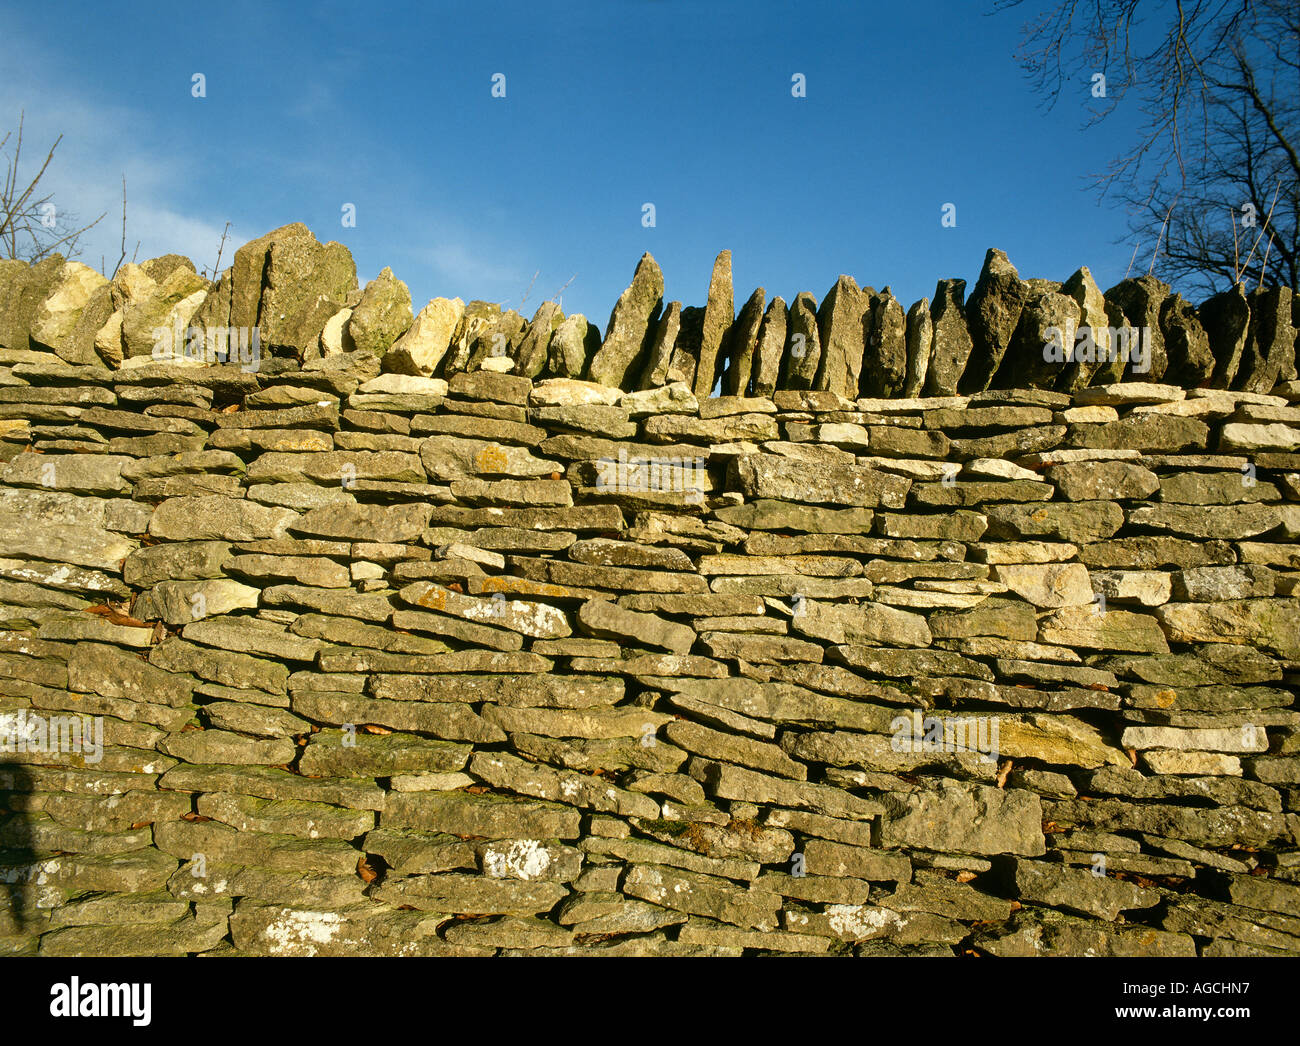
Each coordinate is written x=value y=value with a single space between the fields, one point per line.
x=23 y=288
x=952 y=340
x=767 y=476
x=373 y=522
x=574 y=342
x=1042 y=343
x=376 y=656
x=1226 y=317
x=601 y=618
x=840 y=330
x=1036 y=932
x=217 y=519
x=1187 y=345
x=742 y=344
x=965 y=818
x=1103 y=481
x=1260 y=622
x=1269 y=352
x=382 y=315
x=630 y=324
x=803 y=352
x=992 y=315
x=719 y=314
x=169 y=305
x=919 y=339
x=1047 y=585
x=1079 y=522
x=420 y=350
x=1139 y=302
x=1232 y=522
x=530 y=619
x=769 y=348
x=1092 y=628
x=58 y=322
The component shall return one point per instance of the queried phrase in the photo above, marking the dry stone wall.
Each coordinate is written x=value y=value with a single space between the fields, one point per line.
x=452 y=633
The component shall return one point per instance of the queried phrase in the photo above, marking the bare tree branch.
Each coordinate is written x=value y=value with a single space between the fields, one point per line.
x=1215 y=86
x=32 y=227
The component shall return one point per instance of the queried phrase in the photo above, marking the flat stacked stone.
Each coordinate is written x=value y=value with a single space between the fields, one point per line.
x=400 y=650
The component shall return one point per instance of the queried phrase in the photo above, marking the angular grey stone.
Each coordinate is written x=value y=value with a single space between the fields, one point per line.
x=965 y=818
x=1226 y=317
x=1186 y=344
x=742 y=344
x=840 y=334
x=627 y=337
x=920 y=343
x=382 y=315
x=884 y=361
x=769 y=349
x=719 y=314
x=991 y=315
x=803 y=352
x=215 y=518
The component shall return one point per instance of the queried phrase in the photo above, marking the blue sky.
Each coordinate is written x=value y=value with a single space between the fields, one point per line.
x=609 y=105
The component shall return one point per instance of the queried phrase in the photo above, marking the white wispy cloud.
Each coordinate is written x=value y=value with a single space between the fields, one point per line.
x=103 y=142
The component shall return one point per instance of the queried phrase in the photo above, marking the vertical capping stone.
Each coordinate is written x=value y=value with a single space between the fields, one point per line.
x=686 y=353
x=951 y=346
x=1226 y=319
x=534 y=349
x=1140 y=301
x=57 y=323
x=840 y=322
x=1269 y=353
x=884 y=361
x=1092 y=339
x=478 y=316
x=771 y=345
x=1037 y=355
x=1186 y=344
x=803 y=344
x=419 y=351
x=382 y=316
x=719 y=315
x=742 y=343
x=501 y=341
x=628 y=334
x=574 y=342
x=663 y=344
x=991 y=314
x=920 y=340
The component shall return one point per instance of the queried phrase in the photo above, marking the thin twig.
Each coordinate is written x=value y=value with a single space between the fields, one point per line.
x=530 y=288
x=1133 y=259
x=1156 y=252
x=1264 y=268
x=221 y=249
x=1236 y=257
x=556 y=297
x=122 y=257
x=1267 y=219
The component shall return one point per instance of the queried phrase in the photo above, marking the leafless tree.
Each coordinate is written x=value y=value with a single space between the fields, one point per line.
x=31 y=226
x=1211 y=179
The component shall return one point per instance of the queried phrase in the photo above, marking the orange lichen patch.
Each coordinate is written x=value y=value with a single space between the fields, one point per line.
x=491 y=459
x=434 y=599
x=524 y=587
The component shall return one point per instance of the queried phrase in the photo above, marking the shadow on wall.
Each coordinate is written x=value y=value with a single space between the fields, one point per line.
x=16 y=854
